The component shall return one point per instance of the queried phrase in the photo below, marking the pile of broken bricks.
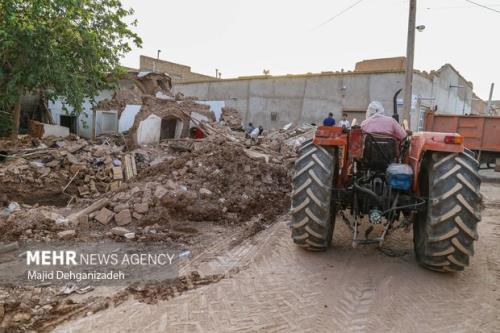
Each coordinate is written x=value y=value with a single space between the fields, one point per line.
x=107 y=212
x=74 y=167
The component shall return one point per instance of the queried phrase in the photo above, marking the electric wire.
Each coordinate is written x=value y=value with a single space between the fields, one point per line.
x=338 y=14
x=483 y=6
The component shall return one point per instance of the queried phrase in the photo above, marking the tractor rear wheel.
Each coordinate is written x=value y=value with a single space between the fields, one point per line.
x=444 y=235
x=313 y=213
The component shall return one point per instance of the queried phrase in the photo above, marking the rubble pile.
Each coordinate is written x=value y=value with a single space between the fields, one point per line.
x=57 y=170
x=231 y=117
x=223 y=178
x=288 y=139
x=41 y=308
x=34 y=309
x=183 y=193
x=134 y=85
x=217 y=181
x=208 y=180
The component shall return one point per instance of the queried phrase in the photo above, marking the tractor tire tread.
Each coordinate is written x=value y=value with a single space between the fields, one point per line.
x=445 y=235
x=311 y=194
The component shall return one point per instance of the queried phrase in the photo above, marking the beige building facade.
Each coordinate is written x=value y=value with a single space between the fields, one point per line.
x=179 y=73
x=273 y=101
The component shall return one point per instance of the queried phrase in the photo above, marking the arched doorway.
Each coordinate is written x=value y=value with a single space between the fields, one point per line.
x=171 y=128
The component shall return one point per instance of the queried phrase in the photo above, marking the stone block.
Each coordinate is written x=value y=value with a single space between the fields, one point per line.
x=104 y=216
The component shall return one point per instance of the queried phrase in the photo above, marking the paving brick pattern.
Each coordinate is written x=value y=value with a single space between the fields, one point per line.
x=282 y=288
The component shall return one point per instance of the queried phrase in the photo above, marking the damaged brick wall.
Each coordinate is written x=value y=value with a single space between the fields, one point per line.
x=167 y=109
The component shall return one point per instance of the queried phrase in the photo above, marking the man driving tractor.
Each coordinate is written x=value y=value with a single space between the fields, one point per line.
x=378 y=123
x=376 y=185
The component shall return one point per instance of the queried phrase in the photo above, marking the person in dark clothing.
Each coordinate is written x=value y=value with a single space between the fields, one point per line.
x=261 y=129
x=329 y=121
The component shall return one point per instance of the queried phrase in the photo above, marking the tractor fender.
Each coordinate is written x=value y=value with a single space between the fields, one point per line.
x=423 y=142
x=330 y=136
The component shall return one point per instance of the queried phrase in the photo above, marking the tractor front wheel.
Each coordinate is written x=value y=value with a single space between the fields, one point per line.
x=444 y=235
x=313 y=213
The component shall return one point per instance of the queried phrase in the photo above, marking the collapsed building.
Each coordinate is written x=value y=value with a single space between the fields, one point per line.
x=141 y=107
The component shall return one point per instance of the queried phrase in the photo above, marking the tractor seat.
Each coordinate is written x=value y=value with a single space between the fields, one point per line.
x=379 y=151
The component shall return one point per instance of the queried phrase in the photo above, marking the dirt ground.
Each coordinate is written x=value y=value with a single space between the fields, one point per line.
x=270 y=285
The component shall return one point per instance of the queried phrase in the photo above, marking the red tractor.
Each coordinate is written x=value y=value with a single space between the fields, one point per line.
x=374 y=182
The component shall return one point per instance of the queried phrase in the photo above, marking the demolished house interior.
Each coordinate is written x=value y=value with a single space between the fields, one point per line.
x=142 y=108
x=148 y=180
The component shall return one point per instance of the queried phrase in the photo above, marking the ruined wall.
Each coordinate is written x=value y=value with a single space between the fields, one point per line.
x=276 y=101
x=131 y=88
x=84 y=127
x=452 y=92
x=478 y=106
x=165 y=109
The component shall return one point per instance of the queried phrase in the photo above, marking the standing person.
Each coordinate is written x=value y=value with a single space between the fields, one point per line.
x=345 y=123
x=329 y=121
x=378 y=123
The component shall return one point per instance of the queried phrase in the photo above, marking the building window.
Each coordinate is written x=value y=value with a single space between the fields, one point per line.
x=109 y=122
x=274 y=116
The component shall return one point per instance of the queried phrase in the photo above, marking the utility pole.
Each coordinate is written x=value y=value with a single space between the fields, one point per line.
x=410 y=52
x=488 y=106
x=156 y=61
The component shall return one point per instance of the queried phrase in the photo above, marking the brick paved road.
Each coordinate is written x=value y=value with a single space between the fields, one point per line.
x=285 y=289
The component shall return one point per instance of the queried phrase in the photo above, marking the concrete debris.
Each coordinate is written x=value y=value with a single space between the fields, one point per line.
x=66 y=235
x=182 y=192
x=160 y=192
x=21 y=316
x=129 y=235
x=123 y=217
x=40 y=130
x=204 y=191
x=82 y=169
x=84 y=290
x=68 y=289
x=120 y=231
x=119 y=207
x=90 y=209
x=141 y=208
x=61 y=221
x=256 y=155
x=104 y=216
x=12 y=207
x=232 y=118
x=215 y=179
x=83 y=221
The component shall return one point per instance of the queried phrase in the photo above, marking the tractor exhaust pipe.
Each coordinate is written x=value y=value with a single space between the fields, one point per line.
x=395 y=105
